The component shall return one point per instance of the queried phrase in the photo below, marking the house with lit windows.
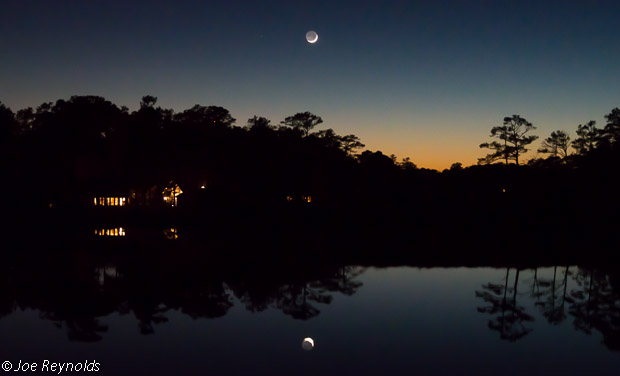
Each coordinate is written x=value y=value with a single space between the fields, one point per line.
x=165 y=195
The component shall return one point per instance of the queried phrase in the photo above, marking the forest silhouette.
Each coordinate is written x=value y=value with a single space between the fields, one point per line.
x=297 y=179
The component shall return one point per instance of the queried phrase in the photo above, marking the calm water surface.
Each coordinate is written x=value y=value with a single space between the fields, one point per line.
x=160 y=318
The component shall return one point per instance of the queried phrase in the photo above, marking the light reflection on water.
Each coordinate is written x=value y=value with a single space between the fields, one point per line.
x=171 y=233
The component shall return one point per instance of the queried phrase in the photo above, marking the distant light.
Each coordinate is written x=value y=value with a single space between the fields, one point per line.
x=202 y=186
x=504 y=190
x=307 y=344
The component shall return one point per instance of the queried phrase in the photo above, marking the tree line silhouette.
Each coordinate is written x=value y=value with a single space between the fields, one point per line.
x=514 y=139
x=63 y=154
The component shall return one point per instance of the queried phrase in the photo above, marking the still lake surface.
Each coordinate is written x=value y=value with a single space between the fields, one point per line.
x=364 y=320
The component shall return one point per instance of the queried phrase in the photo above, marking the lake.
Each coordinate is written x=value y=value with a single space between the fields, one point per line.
x=169 y=311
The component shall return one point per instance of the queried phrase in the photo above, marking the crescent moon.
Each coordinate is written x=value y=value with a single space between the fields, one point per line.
x=307 y=344
x=313 y=40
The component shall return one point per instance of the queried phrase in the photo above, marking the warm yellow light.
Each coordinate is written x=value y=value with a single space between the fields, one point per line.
x=202 y=186
x=95 y=201
x=165 y=198
x=171 y=233
x=118 y=231
x=504 y=190
x=289 y=198
x=122 y=201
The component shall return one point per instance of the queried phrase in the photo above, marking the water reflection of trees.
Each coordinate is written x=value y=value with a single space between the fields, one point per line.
x=508 y=318
x=78 y=297
x=296 y=298
x=593 y=302
x=547 y=301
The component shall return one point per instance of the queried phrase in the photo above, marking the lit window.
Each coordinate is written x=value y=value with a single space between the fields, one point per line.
x=122 y=201
x=118 y=231
x=115 y=201
x=107 y=200
x=95 y=201
x=289 y=198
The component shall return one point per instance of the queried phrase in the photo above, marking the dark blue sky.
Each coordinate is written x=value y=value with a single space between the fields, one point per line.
x=422 y=79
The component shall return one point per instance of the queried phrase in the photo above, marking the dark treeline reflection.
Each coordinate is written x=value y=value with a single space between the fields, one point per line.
x=75 y=290
x=591 y=301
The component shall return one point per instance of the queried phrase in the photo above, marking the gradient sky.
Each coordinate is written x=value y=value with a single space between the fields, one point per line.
x=424 y=79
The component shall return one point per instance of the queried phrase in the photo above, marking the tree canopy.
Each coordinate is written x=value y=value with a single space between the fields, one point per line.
x=514 y=140
x=588 y=137
x=304 y=121
x=556 y=145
